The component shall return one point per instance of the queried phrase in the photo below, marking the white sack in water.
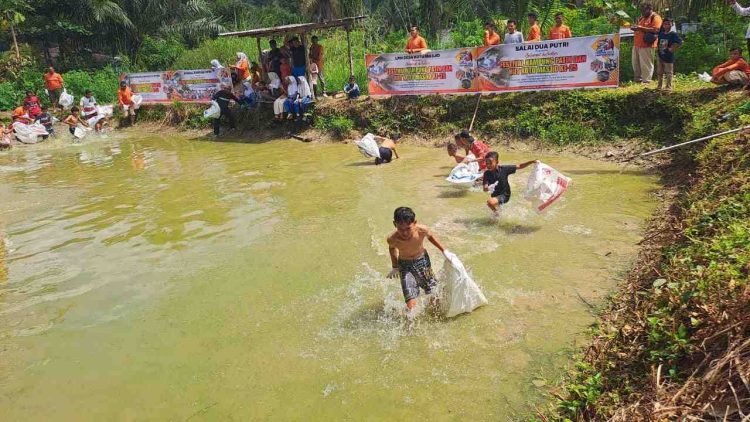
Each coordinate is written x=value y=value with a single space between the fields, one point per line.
x=105 y=110
x=80 y=131
x=464 y=173
x=29 y=134
x=545 y=186
x=461 y=293
x=368 y=146
x=212 y=112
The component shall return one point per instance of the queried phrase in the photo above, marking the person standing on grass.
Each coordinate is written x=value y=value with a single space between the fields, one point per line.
x=559 y=31
x=415 y=43
x=54 y=83
x=512 y=36
x=644 y=41
x=742 y=11
x=734 y=71
x=669 y=42
x=318 y=56
x=223 y=97
x=491 y=37
x=274 y=58
x=535 y=34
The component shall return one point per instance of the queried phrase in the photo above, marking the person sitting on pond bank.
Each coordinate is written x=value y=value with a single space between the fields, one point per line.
x=352 y=89
x=285 y=69
x=387 y=149
x=223 y=97
x=496 y=178
x=45 y=119
x=512 y=36
x=415 y=43
x=734 y=71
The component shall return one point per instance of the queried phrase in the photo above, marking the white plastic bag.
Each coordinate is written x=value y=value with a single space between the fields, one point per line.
x=212 y=112
x=465 y=173
x=368 y=146
x=80 y=131
x=461 y=294
x=137 y=101
x=29 y=134
x=66 y=100
x=105 y=111
x=545 y=186
x=705 y=77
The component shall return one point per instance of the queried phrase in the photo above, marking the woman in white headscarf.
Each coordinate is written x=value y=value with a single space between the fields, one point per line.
x=215 y=65
x=279 y=105
x=242 y=67
x=291 y=105
x=305 y=94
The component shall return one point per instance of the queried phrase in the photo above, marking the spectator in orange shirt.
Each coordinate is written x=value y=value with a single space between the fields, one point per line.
x=21 y=114
x=559 y=31
x=242 y=67
x=491 y=37
x=535 y=34
x=415 y=43
x=125 y=99
x=734 y=71
x=54 y=83
x=644 y=42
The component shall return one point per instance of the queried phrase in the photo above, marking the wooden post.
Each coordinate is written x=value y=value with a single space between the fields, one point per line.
x=260 y=56
x=349 y=50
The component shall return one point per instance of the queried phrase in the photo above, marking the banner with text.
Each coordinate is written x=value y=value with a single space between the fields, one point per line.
x=190 y=86
x=584 y=62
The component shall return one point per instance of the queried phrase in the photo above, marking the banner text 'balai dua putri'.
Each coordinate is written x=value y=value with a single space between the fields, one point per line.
x=189 y=86
x=584 y=62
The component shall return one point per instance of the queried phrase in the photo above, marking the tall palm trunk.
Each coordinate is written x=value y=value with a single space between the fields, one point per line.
x=13 y=34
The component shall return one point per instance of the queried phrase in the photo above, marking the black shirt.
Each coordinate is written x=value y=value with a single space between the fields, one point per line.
x=500 y=175
x=223 y=96
x=45 y=119
x=298 y=56
x=274 y=57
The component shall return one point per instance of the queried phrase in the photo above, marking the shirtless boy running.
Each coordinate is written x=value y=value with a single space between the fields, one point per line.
x=409 y=257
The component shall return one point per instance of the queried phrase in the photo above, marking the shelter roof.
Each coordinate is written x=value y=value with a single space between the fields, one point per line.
x=293 y=28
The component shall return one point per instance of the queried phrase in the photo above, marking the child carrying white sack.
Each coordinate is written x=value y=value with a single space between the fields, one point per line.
x=460 y=294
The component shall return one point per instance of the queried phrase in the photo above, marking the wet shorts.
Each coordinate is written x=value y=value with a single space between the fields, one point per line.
x=386 y=155
x=416 y=273
x=502 y=199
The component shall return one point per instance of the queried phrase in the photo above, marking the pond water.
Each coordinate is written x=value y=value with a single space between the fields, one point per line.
x=151 y=276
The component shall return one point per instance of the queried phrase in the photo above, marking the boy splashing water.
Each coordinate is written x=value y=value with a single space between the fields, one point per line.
x=409 y=259
x=496 y=177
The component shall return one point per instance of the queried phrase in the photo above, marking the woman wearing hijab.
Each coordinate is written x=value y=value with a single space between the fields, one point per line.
x=291 y=105
x=305 y=95
x=242 y=67
x=215 y=65
x=279 y=104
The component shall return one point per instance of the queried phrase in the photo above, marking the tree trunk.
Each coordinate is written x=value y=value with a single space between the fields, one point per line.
x=15 y=41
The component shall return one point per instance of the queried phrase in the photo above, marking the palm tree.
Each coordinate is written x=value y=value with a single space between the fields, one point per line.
x=321 y=10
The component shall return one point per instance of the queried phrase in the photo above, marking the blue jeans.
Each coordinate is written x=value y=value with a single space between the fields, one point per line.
x=298 y=71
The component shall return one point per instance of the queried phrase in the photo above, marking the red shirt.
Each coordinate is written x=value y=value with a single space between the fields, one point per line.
x=480 y=149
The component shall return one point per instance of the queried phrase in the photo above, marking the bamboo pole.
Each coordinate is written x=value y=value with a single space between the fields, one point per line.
x=260 y=57
x=705 y=138
x=476 y=109
x=349 y=50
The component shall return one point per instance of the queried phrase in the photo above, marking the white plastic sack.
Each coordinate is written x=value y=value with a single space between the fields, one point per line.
x=545 y=186
x=29 y=134
x=137 y=101
x=212 y=112
x=368 y=146
x=705 y=77
x=80 y=131
x=461 y=293
x=105 y=111
x=465 y=173
x=66 y=100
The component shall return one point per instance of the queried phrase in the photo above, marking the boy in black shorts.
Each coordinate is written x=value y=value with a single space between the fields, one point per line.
x=496 y=177
x=387 y=149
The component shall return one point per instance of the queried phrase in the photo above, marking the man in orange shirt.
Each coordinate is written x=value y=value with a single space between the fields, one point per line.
x=559 y=31
x=491 y=37
x=54 y=83
x=644 y=42
x=317 y=56
x=415 y=43
x=125 y=99
x=535 y=34
x=735 y=71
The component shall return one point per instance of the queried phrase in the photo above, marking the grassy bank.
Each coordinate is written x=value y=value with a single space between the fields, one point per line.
x=675 y=342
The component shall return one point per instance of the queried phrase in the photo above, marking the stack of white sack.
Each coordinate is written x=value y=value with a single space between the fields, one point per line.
x=545 y=186
x=465 y=172
x=29 y=134
x=460 y=294
x=368 y=146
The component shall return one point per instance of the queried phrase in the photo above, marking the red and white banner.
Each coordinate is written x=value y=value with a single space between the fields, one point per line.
x=189 y=86
x=584 y=62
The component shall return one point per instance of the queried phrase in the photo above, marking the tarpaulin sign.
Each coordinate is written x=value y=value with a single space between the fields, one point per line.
x=190 y=86
x=584 y=62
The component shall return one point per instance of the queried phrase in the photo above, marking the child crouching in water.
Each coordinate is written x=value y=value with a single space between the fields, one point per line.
x=496 y=177
x=409 y=257
x=73 y=120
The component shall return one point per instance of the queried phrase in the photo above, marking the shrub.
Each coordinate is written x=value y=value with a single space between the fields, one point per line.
x=9 y=96
x=159 y=54
x=336 y=124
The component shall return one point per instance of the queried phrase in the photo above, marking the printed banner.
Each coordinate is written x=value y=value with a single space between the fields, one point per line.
x=584 y=62
x=190 y=86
